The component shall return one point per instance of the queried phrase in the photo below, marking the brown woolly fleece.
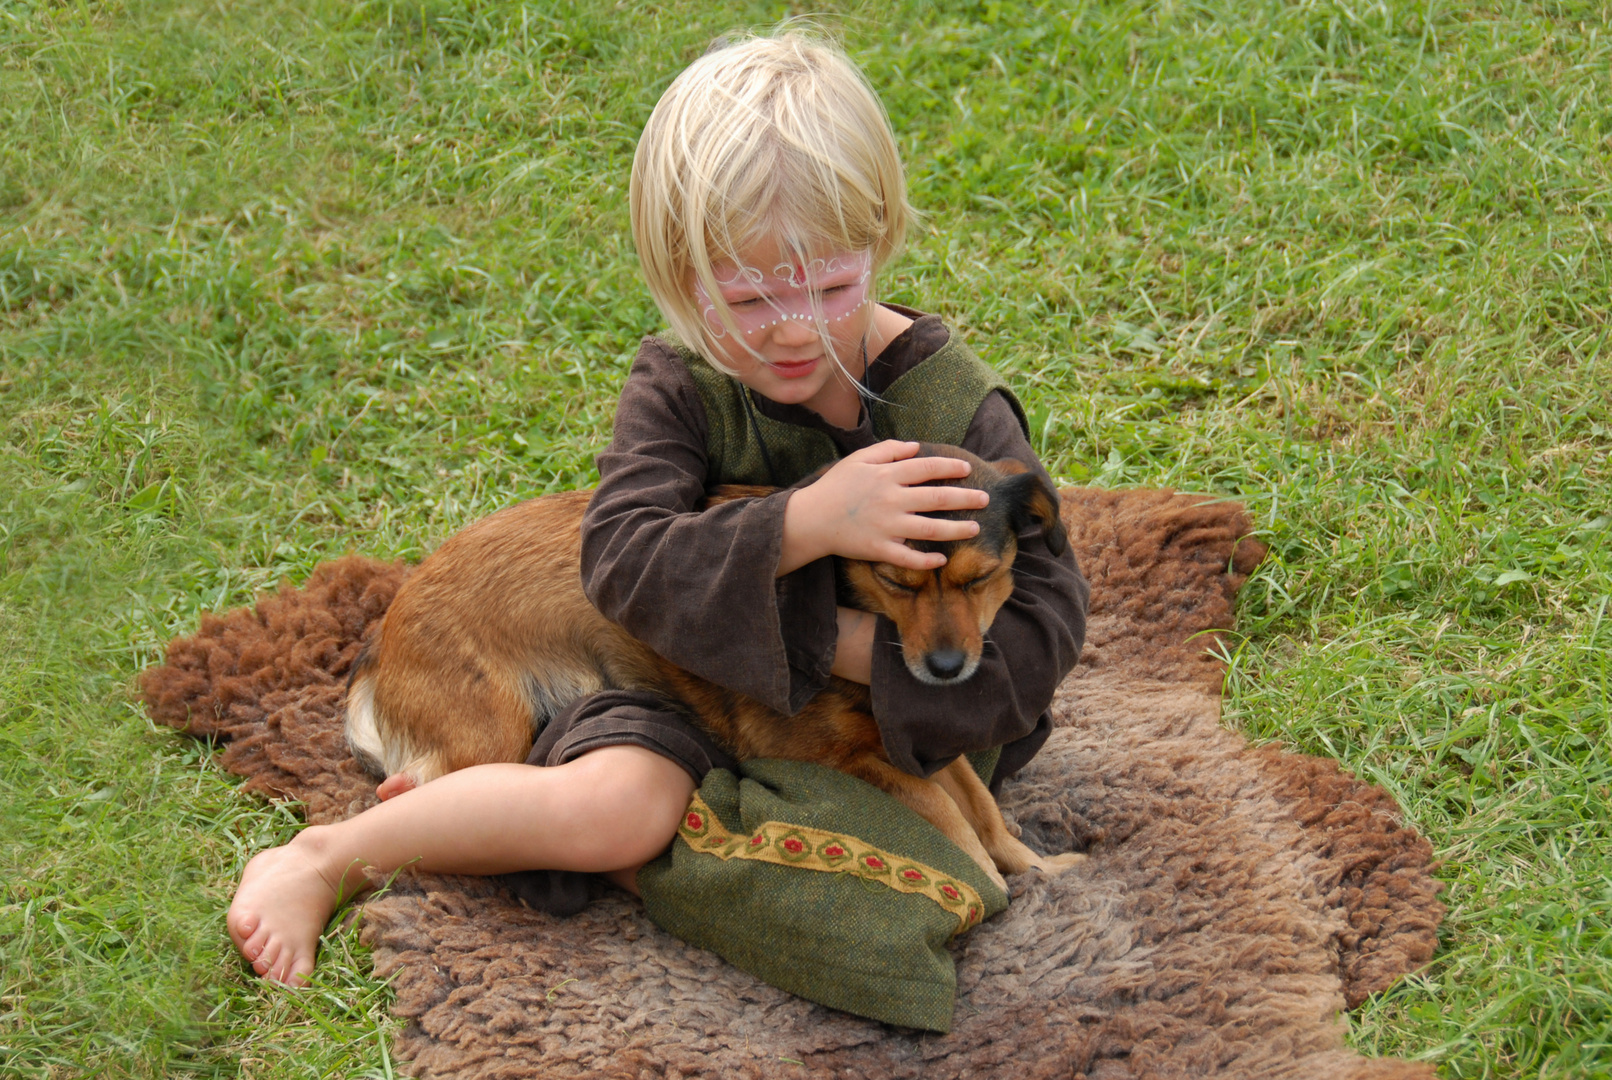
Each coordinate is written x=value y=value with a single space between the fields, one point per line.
x=1236 y=898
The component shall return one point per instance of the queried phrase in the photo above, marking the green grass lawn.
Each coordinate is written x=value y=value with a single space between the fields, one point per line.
x=280 y=280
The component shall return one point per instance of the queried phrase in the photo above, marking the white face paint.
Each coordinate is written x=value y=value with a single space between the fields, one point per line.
x=832 y=288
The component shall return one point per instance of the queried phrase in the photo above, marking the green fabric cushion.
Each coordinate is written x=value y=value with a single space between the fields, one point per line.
x=824 y=886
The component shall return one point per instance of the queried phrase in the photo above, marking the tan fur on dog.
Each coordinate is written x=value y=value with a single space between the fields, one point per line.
x=492 y=636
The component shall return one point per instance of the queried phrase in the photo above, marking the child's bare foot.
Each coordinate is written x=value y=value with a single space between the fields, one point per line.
x=279 y=911
x=396 y=784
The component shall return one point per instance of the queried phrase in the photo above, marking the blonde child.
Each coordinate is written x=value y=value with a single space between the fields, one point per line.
x=767 y=196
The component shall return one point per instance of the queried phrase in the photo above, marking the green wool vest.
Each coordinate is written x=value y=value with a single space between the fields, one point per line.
x=934 y=402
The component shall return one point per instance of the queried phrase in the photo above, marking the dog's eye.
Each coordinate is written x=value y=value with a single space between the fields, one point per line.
x=892 y=583
x=977 y=582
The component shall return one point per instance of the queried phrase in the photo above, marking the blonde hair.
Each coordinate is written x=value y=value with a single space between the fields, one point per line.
x=766 y=136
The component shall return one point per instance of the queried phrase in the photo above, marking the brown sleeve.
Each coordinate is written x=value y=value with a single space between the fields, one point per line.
x=1034 y=642
x=699 y=586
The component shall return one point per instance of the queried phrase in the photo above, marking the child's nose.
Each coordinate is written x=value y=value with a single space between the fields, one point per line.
x=795 y=332
x=797 y=326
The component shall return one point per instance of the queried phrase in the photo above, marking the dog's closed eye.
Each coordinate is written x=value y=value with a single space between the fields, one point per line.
x=891 y=583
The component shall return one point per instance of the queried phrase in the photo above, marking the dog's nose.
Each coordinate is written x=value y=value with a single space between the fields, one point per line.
x=945 y=663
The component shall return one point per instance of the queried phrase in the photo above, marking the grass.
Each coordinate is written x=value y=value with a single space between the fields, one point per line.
x=302 y=278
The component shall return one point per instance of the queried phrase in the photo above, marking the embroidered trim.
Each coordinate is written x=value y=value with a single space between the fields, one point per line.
x=814 y=849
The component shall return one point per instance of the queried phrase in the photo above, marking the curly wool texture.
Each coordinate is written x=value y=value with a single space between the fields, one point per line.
x=1236 y=898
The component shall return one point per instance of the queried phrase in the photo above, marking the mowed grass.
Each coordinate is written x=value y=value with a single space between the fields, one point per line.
x=284 y=280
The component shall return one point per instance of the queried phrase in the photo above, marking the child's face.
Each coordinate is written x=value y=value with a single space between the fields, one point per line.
x=775 y=300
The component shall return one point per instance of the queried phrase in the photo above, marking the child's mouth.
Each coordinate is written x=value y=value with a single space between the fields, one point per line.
x=792 y=369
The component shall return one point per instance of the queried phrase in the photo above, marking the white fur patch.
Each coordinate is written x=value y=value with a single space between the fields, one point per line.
x=552 y=691
x=364 y=733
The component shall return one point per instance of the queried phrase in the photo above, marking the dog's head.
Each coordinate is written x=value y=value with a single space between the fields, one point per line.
x=943 y=614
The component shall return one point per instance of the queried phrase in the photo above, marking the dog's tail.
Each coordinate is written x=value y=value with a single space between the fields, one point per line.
x=381 y=745
x=359 y=723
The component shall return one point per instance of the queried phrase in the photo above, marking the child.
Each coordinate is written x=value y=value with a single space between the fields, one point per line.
x=766 y=196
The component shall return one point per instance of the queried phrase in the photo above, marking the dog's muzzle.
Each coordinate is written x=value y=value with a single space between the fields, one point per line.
x=945 y=665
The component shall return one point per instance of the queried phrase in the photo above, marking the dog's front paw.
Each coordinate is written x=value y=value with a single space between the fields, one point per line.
x=1057 y=864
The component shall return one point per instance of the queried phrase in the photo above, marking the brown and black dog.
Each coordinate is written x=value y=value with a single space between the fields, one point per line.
x=492 y=636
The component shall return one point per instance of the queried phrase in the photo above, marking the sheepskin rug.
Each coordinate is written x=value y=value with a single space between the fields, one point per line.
x=1236 y=901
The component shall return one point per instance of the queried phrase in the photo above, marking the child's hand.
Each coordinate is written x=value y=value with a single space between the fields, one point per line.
x=867 y=505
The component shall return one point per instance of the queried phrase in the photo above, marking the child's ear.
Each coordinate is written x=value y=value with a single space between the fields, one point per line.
x=1026 y=498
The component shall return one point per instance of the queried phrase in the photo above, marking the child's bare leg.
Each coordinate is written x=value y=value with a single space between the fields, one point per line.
x=609 y=811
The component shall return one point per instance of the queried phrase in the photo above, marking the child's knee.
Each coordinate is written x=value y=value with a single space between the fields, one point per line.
x=637 y=796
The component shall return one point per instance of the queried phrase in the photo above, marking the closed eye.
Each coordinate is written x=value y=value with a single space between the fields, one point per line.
x=977 y=582
x=892 y=583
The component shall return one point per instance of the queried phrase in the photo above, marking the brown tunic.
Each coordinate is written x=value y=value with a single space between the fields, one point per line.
x=700 y=586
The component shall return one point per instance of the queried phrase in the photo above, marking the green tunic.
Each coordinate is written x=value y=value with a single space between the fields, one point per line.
x=933 y=402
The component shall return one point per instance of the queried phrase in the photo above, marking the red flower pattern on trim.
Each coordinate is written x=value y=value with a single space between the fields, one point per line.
x=796 y=846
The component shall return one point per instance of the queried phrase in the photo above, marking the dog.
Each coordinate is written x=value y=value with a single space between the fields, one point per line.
x=492 y=636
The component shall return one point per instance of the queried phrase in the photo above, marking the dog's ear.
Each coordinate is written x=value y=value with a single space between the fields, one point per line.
x=1026 y=498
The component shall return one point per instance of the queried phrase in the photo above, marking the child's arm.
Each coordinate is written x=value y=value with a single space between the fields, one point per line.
x=853 y=653
x=714 y=590
x=1033 y=644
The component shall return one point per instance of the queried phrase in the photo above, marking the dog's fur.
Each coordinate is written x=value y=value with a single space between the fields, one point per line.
x=492 y=636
